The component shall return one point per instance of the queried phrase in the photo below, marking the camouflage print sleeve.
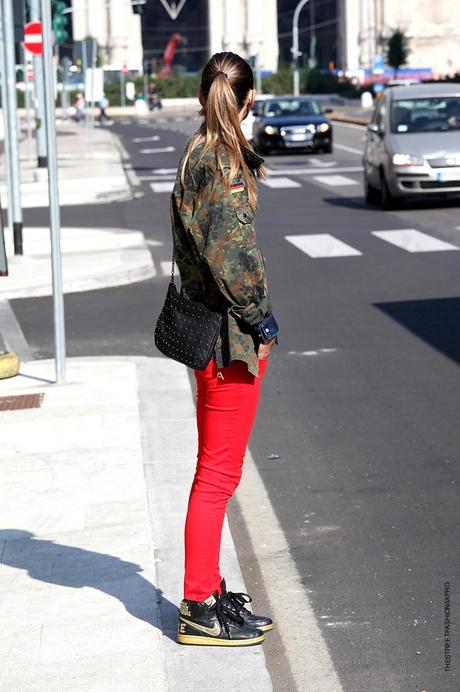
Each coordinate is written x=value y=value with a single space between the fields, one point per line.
x=231 y=251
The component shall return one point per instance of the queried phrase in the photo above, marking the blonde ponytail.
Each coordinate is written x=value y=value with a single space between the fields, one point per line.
x=226 y=82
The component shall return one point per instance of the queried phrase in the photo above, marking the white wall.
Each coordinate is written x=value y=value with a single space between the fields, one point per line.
x=247 y=27
x=119 y=21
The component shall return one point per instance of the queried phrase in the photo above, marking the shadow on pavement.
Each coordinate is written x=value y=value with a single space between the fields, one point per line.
x=65 y=565
x=434 y=320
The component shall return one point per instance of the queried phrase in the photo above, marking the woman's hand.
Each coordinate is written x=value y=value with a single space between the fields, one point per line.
x=265 y=349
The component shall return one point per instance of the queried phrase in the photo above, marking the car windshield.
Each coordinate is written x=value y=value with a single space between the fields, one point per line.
x=426 y=115
x=273 y=109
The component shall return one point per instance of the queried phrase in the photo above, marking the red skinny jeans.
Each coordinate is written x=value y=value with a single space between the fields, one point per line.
x=227 y=401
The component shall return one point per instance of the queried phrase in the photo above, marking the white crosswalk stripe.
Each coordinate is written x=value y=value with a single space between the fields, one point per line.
x=322 y=245
x=414 y=241
x=335 y=180
x=280 y=182
x=157 y=150
x=162 y=186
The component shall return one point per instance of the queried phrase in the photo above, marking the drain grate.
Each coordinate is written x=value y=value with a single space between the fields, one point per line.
x=21 y=401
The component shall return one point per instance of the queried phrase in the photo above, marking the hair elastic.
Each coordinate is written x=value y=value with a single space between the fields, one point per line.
x=221 y=72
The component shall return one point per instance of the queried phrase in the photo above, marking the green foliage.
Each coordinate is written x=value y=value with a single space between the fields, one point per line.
x=281 y=82
x=397 y=49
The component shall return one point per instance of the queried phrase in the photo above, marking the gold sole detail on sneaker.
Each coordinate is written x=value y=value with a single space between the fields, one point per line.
x=211 y=641
x=265 y=628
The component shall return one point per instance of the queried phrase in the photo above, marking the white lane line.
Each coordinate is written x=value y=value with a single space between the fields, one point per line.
x=163 y=186
x=157 y=150
x=165 y=266
x=145 y=178
x=163 y=171
x=335 y=180
x=153 y=243
x=414 y=241
x=322 y=245
x=280 y=182
x=307 y=652
x=312 y=171
x=353 y=126
x=351 y=150
x=153 y=138
x=321 y=164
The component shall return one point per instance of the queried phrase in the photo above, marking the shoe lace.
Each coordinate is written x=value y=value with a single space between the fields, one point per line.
x=224 y=613
x=238 y=600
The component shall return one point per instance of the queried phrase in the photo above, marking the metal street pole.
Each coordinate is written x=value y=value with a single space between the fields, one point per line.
x=295 y=46
x=53 y=193
x=9 y=181
x=34 y=9
x=14 y=201
x=27 y=85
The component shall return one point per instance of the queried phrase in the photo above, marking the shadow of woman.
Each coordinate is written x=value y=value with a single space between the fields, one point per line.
x=65 y=565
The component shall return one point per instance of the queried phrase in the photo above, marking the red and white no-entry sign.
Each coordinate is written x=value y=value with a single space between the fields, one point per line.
x=33 y=38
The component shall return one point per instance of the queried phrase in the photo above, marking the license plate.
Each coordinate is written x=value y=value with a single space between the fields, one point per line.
x=299 y=137
x=446 y=176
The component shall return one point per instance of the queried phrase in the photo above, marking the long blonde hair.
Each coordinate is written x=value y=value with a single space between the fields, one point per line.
x=226 y=81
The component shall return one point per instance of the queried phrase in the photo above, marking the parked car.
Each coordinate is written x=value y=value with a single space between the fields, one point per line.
x=287 y=123
x=412 y=145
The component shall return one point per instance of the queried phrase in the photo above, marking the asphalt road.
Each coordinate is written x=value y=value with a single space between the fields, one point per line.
x=361 y=400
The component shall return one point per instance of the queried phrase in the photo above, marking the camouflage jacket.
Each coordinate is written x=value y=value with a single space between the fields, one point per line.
x=217 y=254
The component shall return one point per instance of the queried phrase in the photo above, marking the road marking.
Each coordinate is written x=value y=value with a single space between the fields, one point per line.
x=306 y=650
x=165 y=266
x=153 y=243
x=322 y=245
x=163 y=171
x=145 y=178
x=335 y=180
x=162 y=186
x=280 y=182
x=321 y=164
x=352 y=150
x=153 y=138
x=414 y=241
x=312 y=171
x=157 y=150
x=12 y=333
x=353 y=126
x=312 y=353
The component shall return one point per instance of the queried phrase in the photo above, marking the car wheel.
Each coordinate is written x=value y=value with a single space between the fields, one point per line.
x=388 y=200
x=371 y=194
x=328 y=149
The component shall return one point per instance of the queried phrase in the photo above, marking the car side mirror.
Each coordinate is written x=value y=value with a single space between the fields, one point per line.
x=255 y=112
x=375 y=129
x=328 y=110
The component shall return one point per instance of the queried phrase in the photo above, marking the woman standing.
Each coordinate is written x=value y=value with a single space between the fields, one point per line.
x=212 y=210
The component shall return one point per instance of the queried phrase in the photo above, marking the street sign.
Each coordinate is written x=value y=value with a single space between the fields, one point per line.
x=33 y=41
x=378 y=65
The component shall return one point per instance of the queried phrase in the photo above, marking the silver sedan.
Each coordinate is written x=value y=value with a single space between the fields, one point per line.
x=413 y=144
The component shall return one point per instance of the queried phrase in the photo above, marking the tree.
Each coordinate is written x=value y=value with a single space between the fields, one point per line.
x=397 y=50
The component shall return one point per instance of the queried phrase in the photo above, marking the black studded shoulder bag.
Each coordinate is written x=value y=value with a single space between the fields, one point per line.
x=186 y=330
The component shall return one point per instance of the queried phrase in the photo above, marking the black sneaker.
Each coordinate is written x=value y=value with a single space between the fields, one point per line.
x=236 y=601
x=213 y=623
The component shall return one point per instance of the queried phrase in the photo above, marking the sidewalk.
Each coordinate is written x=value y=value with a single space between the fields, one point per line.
x=93 y=495
x=90 y=172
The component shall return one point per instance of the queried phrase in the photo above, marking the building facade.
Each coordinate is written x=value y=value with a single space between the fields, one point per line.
x=116 y=29
x=432 y=26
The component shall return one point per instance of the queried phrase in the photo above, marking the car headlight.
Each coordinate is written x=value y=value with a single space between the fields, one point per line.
x=324 y=127
x=407 y=160
x=270 y=130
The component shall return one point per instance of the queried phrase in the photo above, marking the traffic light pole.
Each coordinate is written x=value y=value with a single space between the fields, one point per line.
x=12 y=134
x=53 y=192
x=34 y=7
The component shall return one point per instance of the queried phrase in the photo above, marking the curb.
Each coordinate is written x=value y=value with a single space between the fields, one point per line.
x=352 y=119
x=9 y=365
